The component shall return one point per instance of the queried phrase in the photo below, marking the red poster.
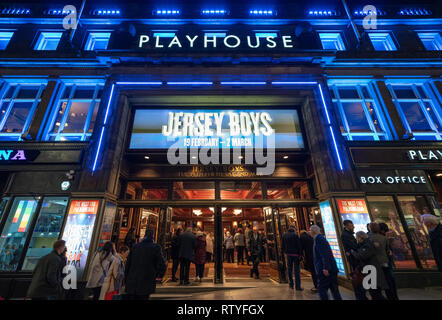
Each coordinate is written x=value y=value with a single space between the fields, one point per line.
x=352 y=206
x=84 y=207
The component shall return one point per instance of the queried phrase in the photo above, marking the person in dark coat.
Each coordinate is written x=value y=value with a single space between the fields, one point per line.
x=325 y=266
x=187 y=245
x=47 y=275
x=366 y=253
x=200 y=256
x=174 y=253
x=129 y=240
x=255 y=249
x=291 y=247
x=349 y=243
x=435 y=230
x=144 y=265
x=307 y=251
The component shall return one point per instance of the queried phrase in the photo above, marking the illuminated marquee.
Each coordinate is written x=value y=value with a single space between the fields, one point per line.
x=229 y=41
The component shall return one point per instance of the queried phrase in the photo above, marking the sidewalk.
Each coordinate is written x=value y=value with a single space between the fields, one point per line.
x=243 y=289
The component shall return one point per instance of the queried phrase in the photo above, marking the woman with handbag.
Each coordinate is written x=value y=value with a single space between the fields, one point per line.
x=113 y=282
x=99 y=268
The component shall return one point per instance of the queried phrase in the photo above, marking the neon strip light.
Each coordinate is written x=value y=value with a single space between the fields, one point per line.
x=98 y=150
x=335 y=145
x=140 y=83
x=108 y=103
x=242 y=83
x=191 y=83
x=292 y=82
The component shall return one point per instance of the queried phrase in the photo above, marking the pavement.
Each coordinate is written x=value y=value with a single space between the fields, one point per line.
x=266 y=289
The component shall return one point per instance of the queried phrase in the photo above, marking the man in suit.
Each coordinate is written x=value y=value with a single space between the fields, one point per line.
x=325 y=266
x=187 y=245
x=144 y=264
x=255 y=249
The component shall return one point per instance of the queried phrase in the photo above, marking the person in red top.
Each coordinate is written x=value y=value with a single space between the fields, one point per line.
x=200 y=255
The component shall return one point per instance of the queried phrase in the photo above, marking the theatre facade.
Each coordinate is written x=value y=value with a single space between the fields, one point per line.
x=141 y=119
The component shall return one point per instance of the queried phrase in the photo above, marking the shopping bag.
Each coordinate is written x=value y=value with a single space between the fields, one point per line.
x=110 y=295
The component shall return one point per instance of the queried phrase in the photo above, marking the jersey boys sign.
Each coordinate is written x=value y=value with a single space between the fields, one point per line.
x=160 y=129
x=187 y=42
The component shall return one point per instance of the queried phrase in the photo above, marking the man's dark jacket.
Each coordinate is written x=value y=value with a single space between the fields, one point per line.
x=187 y=245
x=291 y=243
x=307 y=247
x=436 y=244
x=323 y=256
x=46 y=278
x=144 y=264
x=349 y=242
x=174 y=247
x=256 y=245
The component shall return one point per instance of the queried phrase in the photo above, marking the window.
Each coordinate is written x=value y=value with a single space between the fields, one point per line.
x=418 y=108
x=76 y=112
x=14 y=233
x=5 y=37
x=332 y=41
x=382 y=41
x=431 y=40
x=413 y=207
x=97 y=41
x=147 y=190
x=17 y=106
x=194 y=190
x=384 y=210
x=46 y=231
x=233 y=190
x=361 y=117
x=48 y=41
x=287 y=190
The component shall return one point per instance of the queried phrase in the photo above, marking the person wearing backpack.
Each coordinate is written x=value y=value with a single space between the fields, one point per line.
x=99 y=268
x=113 y=282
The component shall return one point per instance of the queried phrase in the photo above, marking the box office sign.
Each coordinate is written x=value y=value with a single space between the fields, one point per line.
x=8 y=155
x=394 y=180
x=78 y=232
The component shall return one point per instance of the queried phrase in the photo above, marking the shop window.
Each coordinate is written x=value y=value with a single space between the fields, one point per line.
x=382 y=41
x=361 y=117
x=48 y=41
x=233 y=190
x=332 y=41
x=97 y=41
x=291 y=190
x=46 y=231
x=76 y=113
x=432 y=41
x=14 y=233
x=419 y=110
x=148 y=190
x=383 y=209
x=413 y=207
x=194 y=190
x=5 y=37
x=17 y=106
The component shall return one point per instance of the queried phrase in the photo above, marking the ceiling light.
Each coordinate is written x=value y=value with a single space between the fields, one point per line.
x=146 y=157
x=237 y=211
x=286 y=157
x=197 y=212
x=439 y=174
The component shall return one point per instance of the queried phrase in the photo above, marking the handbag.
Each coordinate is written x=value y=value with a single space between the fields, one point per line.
x=110 y=295
x=357 y=277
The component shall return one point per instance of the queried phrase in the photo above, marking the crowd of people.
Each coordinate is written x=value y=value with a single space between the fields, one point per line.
x=132 y=272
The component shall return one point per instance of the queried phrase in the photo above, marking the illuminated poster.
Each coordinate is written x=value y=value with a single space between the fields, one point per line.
x=108 y=222
x=191 y=128
x=78 y=232
x=331 y=234
x=356 y=211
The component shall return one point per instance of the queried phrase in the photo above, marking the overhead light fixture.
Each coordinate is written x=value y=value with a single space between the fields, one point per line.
x=146 y=157
x=439 y=174
x=197 y=212
x=237 y=211
x=163 y=12
x=286 y=157
x=240 y=157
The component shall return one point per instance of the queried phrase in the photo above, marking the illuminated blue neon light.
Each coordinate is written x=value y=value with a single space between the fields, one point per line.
x=192 y=83
x=330 y=127
x=164 y=34
x=243 y=83
x=167 y=12
x=140 y=83
x=98 y=149
x=217 y=12
x=109 y=103
x=292 y=82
